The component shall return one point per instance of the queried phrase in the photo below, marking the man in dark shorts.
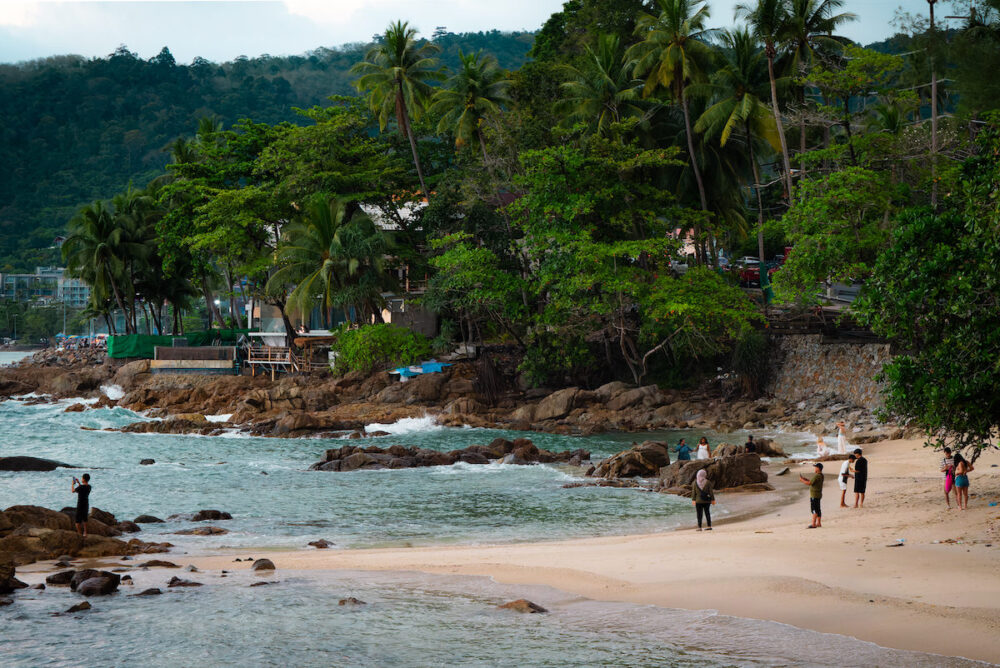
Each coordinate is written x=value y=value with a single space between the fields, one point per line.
x=860 y=479
x=750 y=446
x=82 y=490
x=815 y=495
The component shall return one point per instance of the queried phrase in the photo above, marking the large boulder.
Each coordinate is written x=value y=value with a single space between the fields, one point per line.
x=103 y=516
x=556 y=405
x=22 y=463
x=30 y=544
x=9 y=583
x=724 y=472
x=644 y=461
x=649 y=396
x=101 y=585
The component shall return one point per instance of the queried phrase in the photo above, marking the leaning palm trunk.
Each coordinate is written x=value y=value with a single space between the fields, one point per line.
x=777 y=121
x=700 y=250
x=404 y=117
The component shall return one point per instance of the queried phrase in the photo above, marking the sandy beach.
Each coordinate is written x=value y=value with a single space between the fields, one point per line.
x=937 y=592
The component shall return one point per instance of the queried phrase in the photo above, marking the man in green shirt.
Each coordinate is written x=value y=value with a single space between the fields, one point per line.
x=815 y=495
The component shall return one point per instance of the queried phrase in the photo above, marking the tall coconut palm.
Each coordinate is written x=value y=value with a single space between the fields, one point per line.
x=93 y=253
x=477 y=90
x=672 y=53
x=334 y=254
x=768 y=19
x=738 y=86
x=603 y=90
x=397 y=75
x=809 y=32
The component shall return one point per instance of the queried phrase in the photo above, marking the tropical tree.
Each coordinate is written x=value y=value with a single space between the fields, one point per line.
x=478 y=89
x=809 y=33
x=397 y=75
x=768 y=19
x=739 y=85
x=673 y=53
x=93 y=252
x=335 y=255
x=602 y=91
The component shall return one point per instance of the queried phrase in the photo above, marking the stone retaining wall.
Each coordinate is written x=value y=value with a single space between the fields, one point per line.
x=802 y=366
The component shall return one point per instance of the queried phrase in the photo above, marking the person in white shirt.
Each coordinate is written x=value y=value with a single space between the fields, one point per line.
x=845 y=475
x=842 y=443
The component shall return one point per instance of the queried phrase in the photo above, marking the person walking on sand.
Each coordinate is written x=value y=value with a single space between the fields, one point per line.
x=948 y=469
x=704 y=452
x=703 y=498
x=82 y=491
x=842 y=443
x=815 y=495
x=683 y=451
x=845 y=474
x=860 y=478
x=962 y=469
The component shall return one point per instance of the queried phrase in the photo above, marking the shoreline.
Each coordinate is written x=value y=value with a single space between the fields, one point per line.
x=937 y=597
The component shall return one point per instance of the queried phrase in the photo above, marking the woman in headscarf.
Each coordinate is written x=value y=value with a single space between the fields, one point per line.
x=703 y=498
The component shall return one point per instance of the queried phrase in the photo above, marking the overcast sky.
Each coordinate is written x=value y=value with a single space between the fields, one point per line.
x=221 y=31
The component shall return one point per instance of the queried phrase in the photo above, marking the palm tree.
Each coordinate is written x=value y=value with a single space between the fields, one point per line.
x=397 y=73
x=603 y=90
x=93 y=253
x=769 y=19
x=335 y=253
x=671 y=54
x=475 y=91
x=808 y=32
x=740 y=84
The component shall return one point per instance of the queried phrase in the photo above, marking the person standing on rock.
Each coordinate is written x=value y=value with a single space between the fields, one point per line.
x=860 y=478
x=750 y=446
x=683 y=451
x=703 y=498
x=704 y=452
x=82 y=491
x=845 y=475
x=815 y=495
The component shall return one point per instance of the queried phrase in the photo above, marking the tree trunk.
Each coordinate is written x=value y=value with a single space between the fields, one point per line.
x=213 y=310
x=404 y=116
x=699 y=248
x=760 y=200
x=121 y=302
x=777 y=120
x=802 y=132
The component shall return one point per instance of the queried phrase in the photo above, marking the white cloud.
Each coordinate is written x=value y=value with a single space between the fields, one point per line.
x=330 y=12
x=18 y=13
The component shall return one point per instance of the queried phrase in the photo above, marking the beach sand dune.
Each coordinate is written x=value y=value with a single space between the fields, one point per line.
x=937 y=592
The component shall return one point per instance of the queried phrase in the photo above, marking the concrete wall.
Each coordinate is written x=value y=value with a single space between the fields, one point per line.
x=802 y=366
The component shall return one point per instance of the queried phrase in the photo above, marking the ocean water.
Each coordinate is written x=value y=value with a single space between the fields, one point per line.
x=8 y=357
x=411 y=619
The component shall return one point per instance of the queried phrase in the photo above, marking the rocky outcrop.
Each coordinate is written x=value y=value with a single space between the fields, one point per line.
x=519 y=451
x=8 y=583
x=724 y=472
x=643 y=461
x=556 y=405
x=22 y=463
x=33 y=533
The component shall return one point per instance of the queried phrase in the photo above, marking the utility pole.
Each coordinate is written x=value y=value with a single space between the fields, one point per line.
x=934 y=114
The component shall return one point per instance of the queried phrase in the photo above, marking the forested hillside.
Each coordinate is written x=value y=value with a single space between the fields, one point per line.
x=74 y=129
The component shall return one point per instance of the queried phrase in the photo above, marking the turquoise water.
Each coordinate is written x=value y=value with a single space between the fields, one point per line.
x=411 y=619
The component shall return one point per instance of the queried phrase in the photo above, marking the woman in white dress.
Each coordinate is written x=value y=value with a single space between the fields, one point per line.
x=704 y=452
x=842 y=443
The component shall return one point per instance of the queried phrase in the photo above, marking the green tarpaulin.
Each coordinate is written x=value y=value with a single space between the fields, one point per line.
x=144 y=345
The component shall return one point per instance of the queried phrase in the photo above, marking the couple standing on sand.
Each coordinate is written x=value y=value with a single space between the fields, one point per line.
x=956 y=476
x=855 y=466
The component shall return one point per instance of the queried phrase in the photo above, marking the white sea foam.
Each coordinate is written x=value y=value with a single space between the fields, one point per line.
x=113 y=392
x=219 y=418
x=407 y=426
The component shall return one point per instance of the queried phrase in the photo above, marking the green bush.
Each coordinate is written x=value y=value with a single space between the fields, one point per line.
x=373 y=347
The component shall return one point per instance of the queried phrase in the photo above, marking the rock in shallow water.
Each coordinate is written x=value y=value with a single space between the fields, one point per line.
x=99 y=586
x=262 y=565
x=202 y=531
x=79 y=607
x=147 y=519
x=20 y=463
x=155 y=591
x=321 y=544
x=350 y=600
x=523 y=605
x=178 y=582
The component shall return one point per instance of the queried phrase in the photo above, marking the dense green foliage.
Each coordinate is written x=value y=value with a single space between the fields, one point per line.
x=378 y=347
x=77 y=129
x=935 y=293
